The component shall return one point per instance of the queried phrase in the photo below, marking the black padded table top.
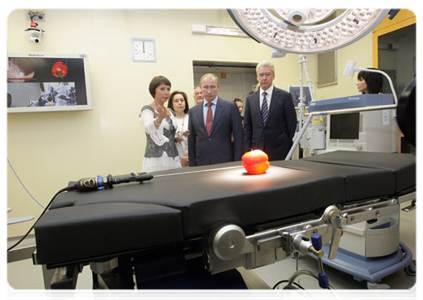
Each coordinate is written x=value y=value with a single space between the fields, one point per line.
x=191 y=202
x=81 y=232
x=403 y=166
x=227 y=194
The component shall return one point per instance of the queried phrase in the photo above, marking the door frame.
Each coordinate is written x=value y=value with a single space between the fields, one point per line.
x=403 y=19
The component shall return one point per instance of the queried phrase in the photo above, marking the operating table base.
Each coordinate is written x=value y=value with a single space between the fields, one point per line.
x=197 y=277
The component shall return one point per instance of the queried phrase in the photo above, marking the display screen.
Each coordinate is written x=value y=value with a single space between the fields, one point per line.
x=295 y=93
x=37 y=82
x=345 y=126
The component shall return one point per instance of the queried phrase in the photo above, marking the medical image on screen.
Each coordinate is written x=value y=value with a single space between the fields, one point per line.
x=46 y=82
x=345 y=126
x=42 y=95
x=295 y=93
x=59 y=94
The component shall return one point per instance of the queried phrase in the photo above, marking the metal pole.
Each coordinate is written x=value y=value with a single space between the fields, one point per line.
x=299 y=137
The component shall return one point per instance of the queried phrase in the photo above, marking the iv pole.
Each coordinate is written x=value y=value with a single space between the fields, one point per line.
x=303 y=68
x=302 y=124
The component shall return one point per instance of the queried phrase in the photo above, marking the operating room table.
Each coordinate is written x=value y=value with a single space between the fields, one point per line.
x=219 y=213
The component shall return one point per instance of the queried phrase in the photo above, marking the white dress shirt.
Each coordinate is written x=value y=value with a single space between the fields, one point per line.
x=269 y=92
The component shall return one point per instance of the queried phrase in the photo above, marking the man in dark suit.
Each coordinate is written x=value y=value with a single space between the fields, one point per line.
x=270 y=119
x=211 y=124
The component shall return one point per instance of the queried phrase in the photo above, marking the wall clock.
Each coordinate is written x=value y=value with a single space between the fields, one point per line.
x=143 y=49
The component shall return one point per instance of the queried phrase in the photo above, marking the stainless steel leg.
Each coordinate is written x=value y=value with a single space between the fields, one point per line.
x=47 y=276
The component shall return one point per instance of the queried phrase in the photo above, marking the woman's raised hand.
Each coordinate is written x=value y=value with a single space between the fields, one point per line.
x=162 y=113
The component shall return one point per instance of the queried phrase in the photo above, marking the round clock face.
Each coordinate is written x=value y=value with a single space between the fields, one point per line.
x=144 y=50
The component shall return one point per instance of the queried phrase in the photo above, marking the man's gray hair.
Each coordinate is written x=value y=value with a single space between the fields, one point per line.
x=265 y=63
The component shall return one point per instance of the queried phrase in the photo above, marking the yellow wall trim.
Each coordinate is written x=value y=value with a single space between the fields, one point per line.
x=403 y=19
x=404 y=16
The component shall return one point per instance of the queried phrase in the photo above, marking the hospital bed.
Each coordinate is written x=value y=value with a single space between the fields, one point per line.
x=218 y=214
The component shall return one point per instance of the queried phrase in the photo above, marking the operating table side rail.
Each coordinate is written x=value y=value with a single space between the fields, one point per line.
x=274 y=244
x=408 y=197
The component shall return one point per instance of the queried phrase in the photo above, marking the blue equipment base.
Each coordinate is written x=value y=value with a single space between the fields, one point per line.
x=370 y=269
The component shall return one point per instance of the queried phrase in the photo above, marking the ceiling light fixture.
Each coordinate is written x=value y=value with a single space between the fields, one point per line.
x=216 y=30
x=307 y=31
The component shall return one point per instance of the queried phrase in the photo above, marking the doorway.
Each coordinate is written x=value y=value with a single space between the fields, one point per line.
x=237 y=79
x=397 y=57
x=394 y=51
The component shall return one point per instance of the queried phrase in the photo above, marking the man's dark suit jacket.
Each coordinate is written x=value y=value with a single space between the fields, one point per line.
x=216 y=148
x=274 y=138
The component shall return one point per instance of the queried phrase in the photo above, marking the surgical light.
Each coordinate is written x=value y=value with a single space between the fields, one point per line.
x=307 y=31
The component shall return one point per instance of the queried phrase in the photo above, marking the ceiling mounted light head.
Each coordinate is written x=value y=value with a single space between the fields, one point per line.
x=307 y=31
x=298 y=17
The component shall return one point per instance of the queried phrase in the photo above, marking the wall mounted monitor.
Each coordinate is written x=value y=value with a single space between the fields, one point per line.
x=43 y=83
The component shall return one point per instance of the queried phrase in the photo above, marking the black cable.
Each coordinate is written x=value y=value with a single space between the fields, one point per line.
x=23 y=185
x=44 y=211
x=291 y=288
x=31 y=15
x=278 y=283
x=282 y=281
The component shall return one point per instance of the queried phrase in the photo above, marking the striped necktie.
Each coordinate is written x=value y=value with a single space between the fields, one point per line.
x=264 y=109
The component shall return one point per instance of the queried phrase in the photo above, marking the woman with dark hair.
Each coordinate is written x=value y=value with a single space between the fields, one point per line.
x=178 y=102
x=160 y=127
x=240 y=105
x=369 y=82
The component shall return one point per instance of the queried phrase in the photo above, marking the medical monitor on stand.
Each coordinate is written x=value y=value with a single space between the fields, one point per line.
x=343 y=131
x=374 y=131
x=345 y=126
